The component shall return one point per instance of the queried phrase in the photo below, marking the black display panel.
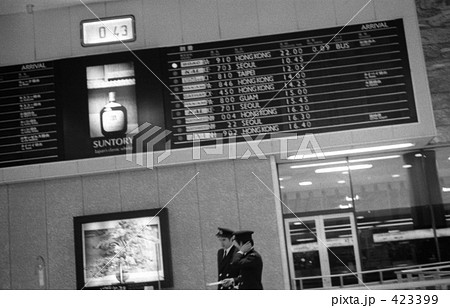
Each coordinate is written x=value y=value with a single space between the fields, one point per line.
x=361 y=79
x=28 y=115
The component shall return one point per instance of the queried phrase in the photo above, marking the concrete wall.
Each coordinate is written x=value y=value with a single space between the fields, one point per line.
x=434 y=19
x=36 y=219
x=52 y=34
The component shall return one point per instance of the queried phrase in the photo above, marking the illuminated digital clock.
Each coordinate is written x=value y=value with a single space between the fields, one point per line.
x=110 y=30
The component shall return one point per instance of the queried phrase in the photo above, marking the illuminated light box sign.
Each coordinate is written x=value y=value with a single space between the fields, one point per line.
x=290 y=83
x=106 y=98
x=110 y=30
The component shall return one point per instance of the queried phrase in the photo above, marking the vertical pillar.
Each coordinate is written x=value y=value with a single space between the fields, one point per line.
x=427 y=209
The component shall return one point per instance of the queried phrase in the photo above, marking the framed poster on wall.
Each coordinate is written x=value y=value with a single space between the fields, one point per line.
x=127 y=250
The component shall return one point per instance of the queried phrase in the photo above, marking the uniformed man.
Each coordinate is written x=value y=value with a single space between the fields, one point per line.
x=225 y=257
x=249 y=263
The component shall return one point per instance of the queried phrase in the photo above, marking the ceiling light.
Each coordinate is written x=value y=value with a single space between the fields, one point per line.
x=398 y=220
x=319 y=164
x=284 y=178
x=297 y=223
x=365 y=227
x=369 y=223
x=373 y=158
x=282 y=187
x=304 y=239
x=445 y=189
x=393 y=225
x=347 y=198
x=345 y=206
x=396 y=175
x=341 y=182
x=360 y=160
x=306 y=183
x=406 y=166
x=355 y=151
x=343 y=168
x=345 y=172
x=420 y=155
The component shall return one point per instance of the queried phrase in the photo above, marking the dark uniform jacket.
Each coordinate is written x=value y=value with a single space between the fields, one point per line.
x=250 y=268
x=225 y=268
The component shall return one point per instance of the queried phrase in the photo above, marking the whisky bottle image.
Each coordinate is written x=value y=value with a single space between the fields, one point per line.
x=113 y=117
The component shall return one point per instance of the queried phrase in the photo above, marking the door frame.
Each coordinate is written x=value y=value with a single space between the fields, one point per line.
x=321 y=240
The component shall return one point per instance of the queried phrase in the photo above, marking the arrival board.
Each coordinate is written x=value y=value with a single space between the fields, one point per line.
x=28 y=118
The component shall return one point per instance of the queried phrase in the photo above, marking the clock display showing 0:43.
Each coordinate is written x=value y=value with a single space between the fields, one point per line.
x=108 y=31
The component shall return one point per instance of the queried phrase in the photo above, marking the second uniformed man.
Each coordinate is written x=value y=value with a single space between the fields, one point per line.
x=225 y=257
x=248 y=262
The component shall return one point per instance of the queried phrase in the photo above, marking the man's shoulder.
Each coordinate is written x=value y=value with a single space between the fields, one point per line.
x=253 y=254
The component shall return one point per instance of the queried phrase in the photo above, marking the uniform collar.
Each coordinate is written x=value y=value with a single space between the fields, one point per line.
x=228 y=249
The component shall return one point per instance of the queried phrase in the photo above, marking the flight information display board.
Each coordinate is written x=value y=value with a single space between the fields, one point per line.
x=28 y=117
x=292 y=82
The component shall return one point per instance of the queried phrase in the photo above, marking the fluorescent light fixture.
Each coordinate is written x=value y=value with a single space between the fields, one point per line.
x=344 y=168
x=397 y=220
x=393 y=225
x=345 y=206
x=337 y=228
x=319 y=164
x=345 y=172
x=341 y=182
x=396 y=175
x=369 y=223
x=360 y=217
x=406 y=166
x=359 y=160
x=306 y=183
x=282 y=187
x=373 y=158
x=284 y=178
x=420 y=155
x=445 y=189
x=297 y=223
x=356 y=151
x=347 y=198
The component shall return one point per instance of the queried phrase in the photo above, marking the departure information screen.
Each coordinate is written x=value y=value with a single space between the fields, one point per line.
x=303 y=82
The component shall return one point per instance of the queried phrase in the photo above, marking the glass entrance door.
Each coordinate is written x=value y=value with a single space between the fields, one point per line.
x=322 y=245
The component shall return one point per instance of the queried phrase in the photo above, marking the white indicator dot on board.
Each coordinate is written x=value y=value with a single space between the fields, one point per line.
x=174 y=65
